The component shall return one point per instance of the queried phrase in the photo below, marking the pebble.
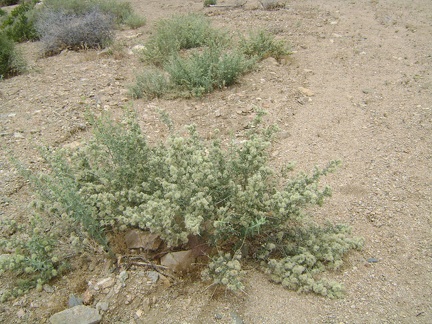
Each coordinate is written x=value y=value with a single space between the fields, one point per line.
x=153 y=276
x=49 y=289
x=102 y=306
x=372 y=260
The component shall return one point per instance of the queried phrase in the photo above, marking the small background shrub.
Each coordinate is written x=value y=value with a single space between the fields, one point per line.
x=273 y=4
x=11 y=61
x=19 y=24
x=263 y=45
x=60 y=30
x=208 y=3
x=4 y=3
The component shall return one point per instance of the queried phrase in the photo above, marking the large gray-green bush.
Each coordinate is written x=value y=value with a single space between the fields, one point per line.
x=228 y=195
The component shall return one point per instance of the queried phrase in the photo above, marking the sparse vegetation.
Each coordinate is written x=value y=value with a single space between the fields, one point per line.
x=195 y=59
x=273 y=4
x=19 y=24
x=186 y=187
x=208 y=3
x=60 y=30
x=263 y=45
x=11 y=61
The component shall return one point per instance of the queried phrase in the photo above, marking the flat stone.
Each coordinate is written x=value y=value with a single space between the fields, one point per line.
x=106 y=283
x=74 y=301
x=137 y=239
x=305 y=91
x=178 y=261
x=77 y=315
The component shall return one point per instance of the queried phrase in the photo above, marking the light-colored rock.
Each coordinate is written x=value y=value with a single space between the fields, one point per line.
x=305 y=91
x=77 y=315
x=105 y=283
x=178 y=261
x=137 y=239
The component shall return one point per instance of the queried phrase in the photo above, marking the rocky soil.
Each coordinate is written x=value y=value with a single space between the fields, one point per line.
x=358 y=88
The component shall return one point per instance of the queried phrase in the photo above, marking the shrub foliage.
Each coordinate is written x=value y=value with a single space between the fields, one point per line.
x=11 y=61
x=228 y=196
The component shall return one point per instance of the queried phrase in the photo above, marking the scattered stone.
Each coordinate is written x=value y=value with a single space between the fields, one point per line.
x=123 y=276
x=102 y=306
x=74 y=301
x=139 y=313
x=372 y=260
x=236 y=318
x=47 y=288
x=137 y=49
x=305 y=91
x=137 y=239
x=218 y=316
x=87 y=297
x=21 y=313
x=178 y=261
x=18 y=135
x=77 y=315
x=105 y=283
x=153 y=276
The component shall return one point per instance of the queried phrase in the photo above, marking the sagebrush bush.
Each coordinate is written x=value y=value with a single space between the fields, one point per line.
x=273 y=4
x=151 y=83
x=185 y=187
x=180 y=32
x=203 y=71
x=19 y=24
x=263 y=45
x=8 y=2
x=11 y=61
x=60 y=30
x=208 y=3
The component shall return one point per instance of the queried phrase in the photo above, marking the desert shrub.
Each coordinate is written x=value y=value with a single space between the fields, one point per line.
x=185 y=187
x=263 y=45
x=272 y=4
x=134 y=21
x=8 y=2
x=19 y=24
x=60 y=30
x=203 y=71
x=2 y=13
x=177 y=33
x=11 y=61
x=208 y=3
x=121 y=11
x=151 y=83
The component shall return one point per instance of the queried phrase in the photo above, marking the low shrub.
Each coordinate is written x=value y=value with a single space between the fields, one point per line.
x=121 y=11
x=19 y=24
x=11 y=61
x=263 y=45
x=4 y=3
x=151 y=83
x=230 y=197
x=273 y=4
x=177 y=33
x=60 y=30
x=203 y=71
x=208 y=3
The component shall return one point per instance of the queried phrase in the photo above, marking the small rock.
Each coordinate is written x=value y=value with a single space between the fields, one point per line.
x=77 y=315
x=137 y=49
x=47 y=288
x=137 y=239
x=178 y=261
x=123 y=276
x=21 y=313
x=18 y=135
x=153 y=276
x=74 y=301
x=139 y=313
x=372 y=260
x=87 y=297
x=305 y=91
x=102 y=306
x=106 y=283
